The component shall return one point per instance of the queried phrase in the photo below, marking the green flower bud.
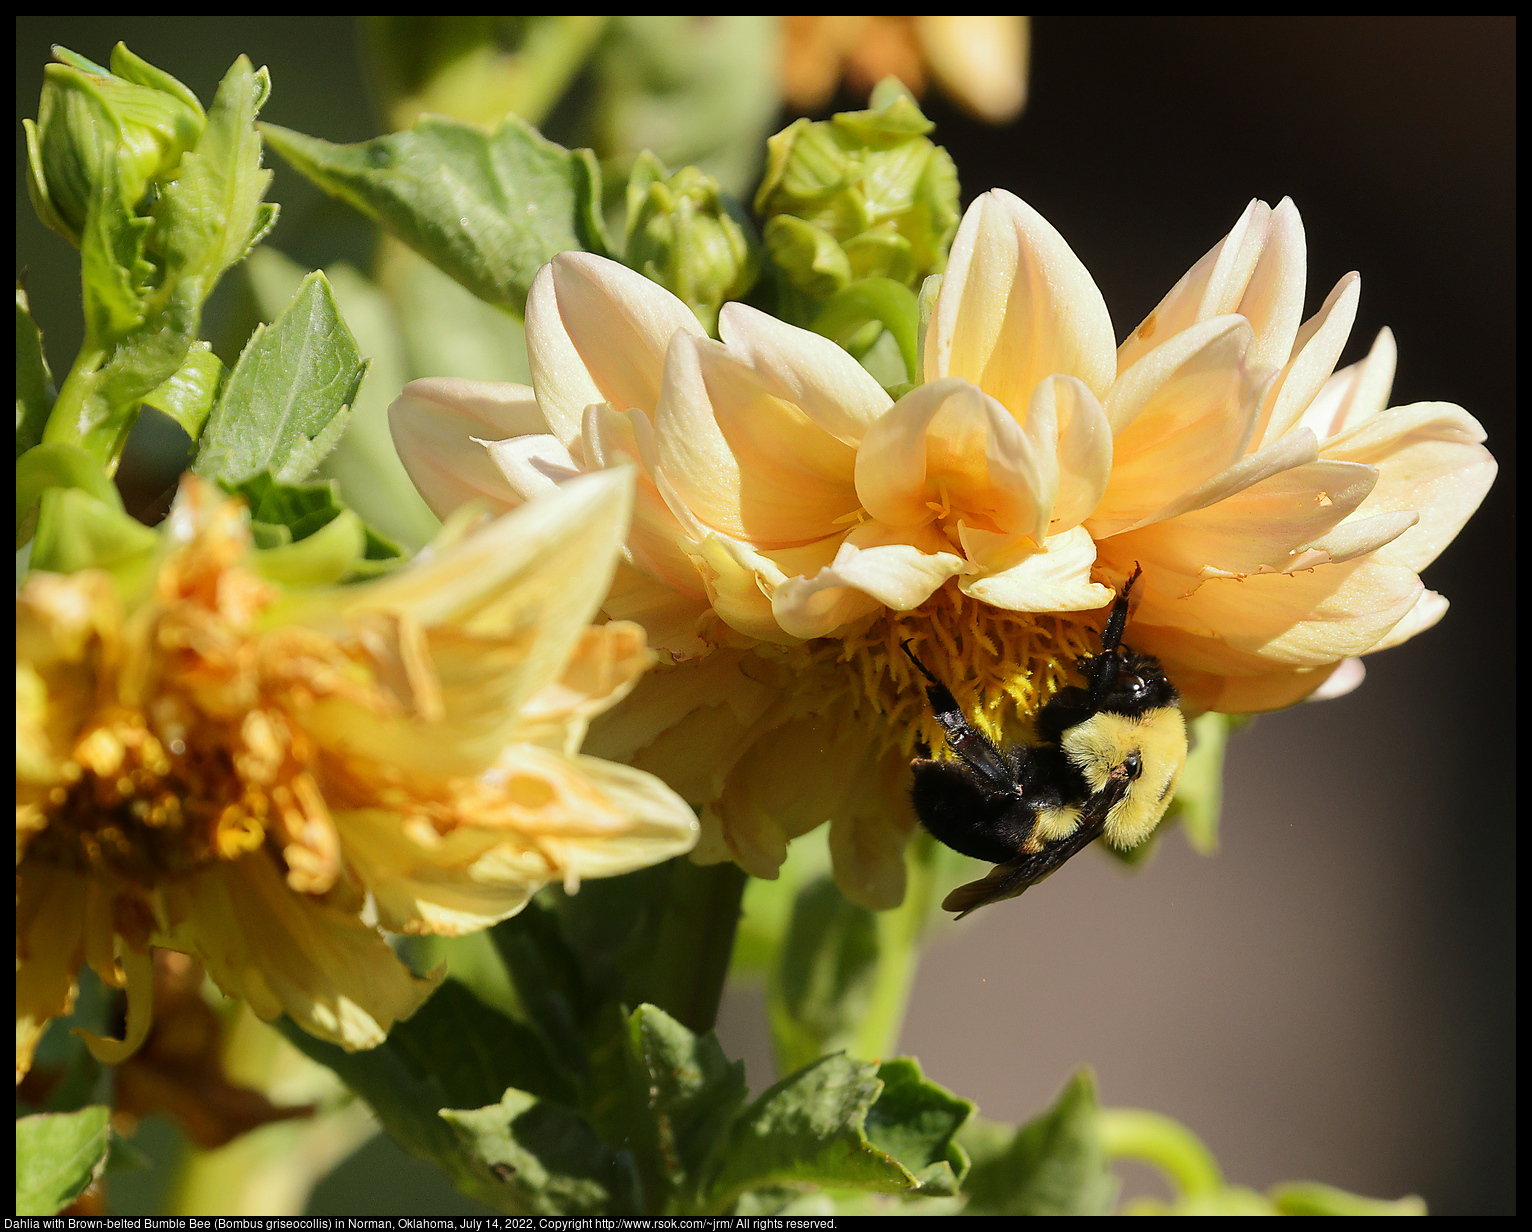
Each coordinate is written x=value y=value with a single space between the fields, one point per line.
x=691 y=237
x=101 y=132
x=869 y=185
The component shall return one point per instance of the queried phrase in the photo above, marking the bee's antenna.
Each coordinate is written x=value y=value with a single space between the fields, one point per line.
x=921 y=667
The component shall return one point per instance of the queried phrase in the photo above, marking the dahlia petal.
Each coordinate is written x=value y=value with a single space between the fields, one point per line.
x=659 y=823
x=1346 y=678
x=1273 y=299
x=601 y=670
x=1427 y=612
x=1356 y=536
x=529 y=466
x=803 y=369
x=1429 y=459
x=597 y=332
x=1354 y=395
x=138 y=969
x=946 y=444
x=869 y=832
x=1317 y=348
x=50 y=946
x=1017 y=305
x=670 y=617
x=1022 y=579
x=1084 y=450
x=737 y=580
x=438 y=426
x=1213 y=287
x=1180 y=416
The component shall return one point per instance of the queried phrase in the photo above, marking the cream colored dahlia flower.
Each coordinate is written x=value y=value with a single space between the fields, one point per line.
x=796 y=525
x=210 y=764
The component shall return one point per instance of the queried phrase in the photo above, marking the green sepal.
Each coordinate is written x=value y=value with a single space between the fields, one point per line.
x=305 y=535
x=490 y=209
x=58 y=1155
x=78 y=531
x=286 y=403
x=807 y=256
x=57 y=464
x=188 y=396
x=1056 y=1164
x=885 y=301
x=35 y=391
x=917 y=1122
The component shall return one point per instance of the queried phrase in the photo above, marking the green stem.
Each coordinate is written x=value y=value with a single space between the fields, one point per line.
x=899 y=934
x=1133 y=1133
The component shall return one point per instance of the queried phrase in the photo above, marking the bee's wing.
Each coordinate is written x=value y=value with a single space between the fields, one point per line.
x=1019 y=875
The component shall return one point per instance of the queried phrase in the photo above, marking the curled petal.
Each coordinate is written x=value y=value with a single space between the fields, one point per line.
x=1346 y=678
x=738 y=579
x=805 y=370
x=1427 y=612
x=1318 y=346
x=530 y=465
x=1017 y=305
x=1430 y=460
x=1354 y=395
x=1084 y=450
x=138 y=968
x=602 y=669
x=439 y=426
x=597 y=332
x=874 y=567
x=744 y=461
x=1356 y=536
x=1180 y=415
x=947 y=446
x=1020 y=578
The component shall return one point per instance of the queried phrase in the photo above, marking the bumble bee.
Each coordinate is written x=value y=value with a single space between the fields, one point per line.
x=1107 y=763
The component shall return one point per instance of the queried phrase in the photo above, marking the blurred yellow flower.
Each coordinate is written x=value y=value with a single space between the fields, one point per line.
x=796 y=525
x=979 y=62
x=212 y=765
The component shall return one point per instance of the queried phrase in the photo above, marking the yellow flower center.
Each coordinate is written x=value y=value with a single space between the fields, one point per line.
x=1001 y=666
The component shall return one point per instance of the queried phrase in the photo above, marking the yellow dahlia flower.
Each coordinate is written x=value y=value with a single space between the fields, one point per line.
x=210 y=764
x=796 y=525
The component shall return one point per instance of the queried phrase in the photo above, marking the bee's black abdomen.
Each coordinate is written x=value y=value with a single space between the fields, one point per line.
x=967 y=816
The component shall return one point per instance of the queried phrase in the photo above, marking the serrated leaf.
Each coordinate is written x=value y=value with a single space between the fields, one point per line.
x=546 y=1159
x=58 y=1154
x=454 y=1053
x=286 y=403
x=490 y=209
x=1054 y=1165
x=809 y=1129
x=668 y=1096
x=188 y=396
x=34 y=383
x=916 y=1121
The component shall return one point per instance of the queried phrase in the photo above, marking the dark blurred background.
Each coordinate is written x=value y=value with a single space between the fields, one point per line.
x=1331 y=997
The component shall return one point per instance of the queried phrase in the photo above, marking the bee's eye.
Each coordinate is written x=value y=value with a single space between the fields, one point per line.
x=1134 y=764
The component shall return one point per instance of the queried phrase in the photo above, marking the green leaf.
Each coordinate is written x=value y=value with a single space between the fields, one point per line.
x=308 y=537
x=454 y=1053
x=668 y=1096
x=57 y=464
x=824 y=978
x=547 y=1159
x=58 y=1154
x=285 y=404
x=489 y=209
x=34 y=383
x=1199 y=794
x=1055 y=1164
x=809 y=1129
x=915 y=1121
x=188 y=396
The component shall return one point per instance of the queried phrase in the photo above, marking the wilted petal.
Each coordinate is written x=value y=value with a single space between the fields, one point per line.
x=1017 y=305
x=289 y=953
x=1355 y=394
x=946 y=447
x=1315 y=352
x=1430 y=460
x=805 y=370
x=439 y=427
x=1020 y=578
x=597 y=332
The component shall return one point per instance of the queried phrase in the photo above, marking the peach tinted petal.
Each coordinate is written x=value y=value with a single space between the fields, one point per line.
x=597 y=332
x=1355 y=394
x=805 y=370
x=1427 y=612
x=1315 y=352
x=438 y=427
x=1430 y=459
x=531 y=465
x=1019 y=579
x=1084 y=450
x=1017 y=305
